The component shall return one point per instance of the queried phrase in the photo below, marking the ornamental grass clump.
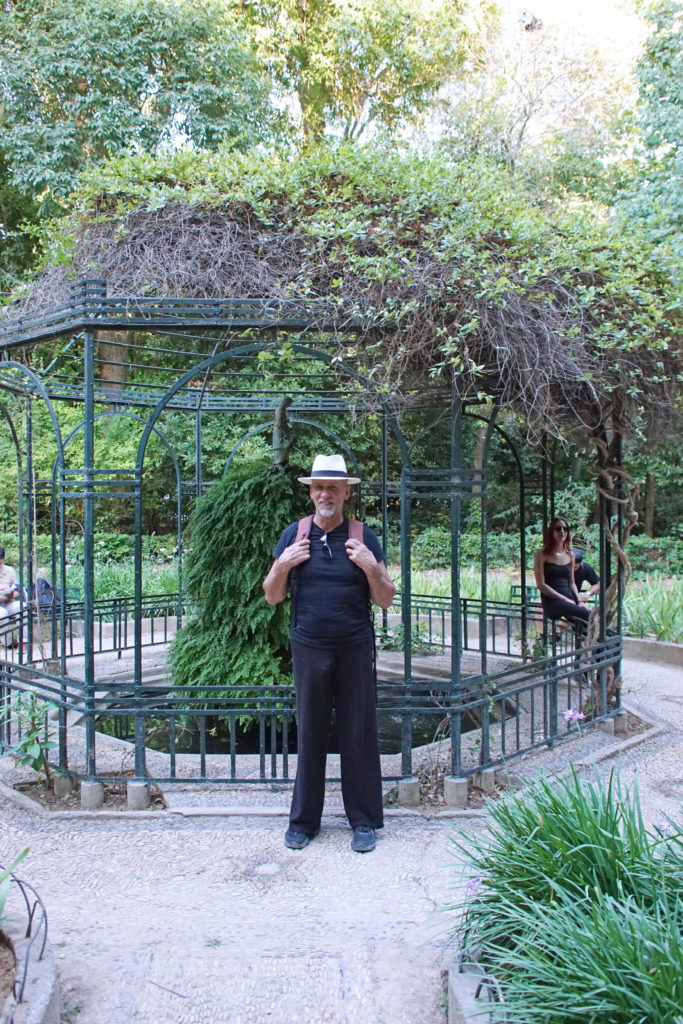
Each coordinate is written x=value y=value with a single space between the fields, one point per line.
x=599 y=959
x=577 y=909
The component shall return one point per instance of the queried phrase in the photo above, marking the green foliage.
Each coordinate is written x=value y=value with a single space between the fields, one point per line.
x=654 y=608
x=83 y=81
x=655 y=193
x=393 y=639
x=575 y=907
x=423 y=249
x=6 y=881
x=117 y=579
x=352 y=63
x=597 y=960
x=120 y=547
x=432 y=548
x=237 y=640
x=656 y=553
x=27 y=715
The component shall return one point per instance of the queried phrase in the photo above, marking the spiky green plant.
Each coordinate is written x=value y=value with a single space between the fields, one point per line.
x=564 y=867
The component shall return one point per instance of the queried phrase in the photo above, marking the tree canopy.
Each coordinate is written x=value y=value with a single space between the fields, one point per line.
x=84 y=81
x=655 y=192
x=352 y=63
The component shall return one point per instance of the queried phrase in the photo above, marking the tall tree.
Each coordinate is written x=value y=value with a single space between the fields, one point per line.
x=538 y=100
x=349 y=64
x=84 y=80
x=656 y=192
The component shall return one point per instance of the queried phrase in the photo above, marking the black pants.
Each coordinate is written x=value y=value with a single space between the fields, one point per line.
x=344 y=678
x=563 y=608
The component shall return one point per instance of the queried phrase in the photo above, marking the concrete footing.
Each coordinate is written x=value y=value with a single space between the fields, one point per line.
x=137 y=796
x=62 y=785
x=607 y=726
x=486 y=780
x=455 y=793
x=409 y=792
x=620 y=723
x=92 y=795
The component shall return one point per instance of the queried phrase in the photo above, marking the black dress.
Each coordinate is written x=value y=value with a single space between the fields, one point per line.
x=565 y=607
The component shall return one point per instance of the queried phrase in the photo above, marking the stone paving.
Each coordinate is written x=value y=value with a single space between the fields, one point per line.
x=159 y=918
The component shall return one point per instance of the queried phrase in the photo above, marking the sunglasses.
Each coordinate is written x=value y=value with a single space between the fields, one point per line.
x=562 y=529
x=327 y=551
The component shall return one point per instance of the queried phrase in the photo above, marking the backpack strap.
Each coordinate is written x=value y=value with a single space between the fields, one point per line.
x=356 y=530
x=303 y=528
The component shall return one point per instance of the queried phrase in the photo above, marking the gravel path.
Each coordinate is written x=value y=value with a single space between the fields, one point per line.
x=168 y=919
x=212 y=921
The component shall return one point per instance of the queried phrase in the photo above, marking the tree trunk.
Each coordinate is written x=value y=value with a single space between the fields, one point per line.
x=113 y=359
x=650 y=489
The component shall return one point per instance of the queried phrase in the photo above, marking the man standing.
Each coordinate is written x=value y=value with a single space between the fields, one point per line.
x=333 y=578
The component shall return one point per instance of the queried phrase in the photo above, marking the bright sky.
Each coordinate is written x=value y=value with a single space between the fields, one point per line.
x=613 y=24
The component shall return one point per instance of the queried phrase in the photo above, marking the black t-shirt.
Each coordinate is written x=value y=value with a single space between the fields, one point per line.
x=330 y=596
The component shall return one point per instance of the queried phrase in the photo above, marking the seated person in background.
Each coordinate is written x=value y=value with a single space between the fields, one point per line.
x=584 y=573
x=9 y=596
x=554 y=570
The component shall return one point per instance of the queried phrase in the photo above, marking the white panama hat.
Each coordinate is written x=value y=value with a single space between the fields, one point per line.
x=329 y=467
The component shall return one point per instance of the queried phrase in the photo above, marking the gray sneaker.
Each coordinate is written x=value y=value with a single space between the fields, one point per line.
x=364 y=839
x=296 y=840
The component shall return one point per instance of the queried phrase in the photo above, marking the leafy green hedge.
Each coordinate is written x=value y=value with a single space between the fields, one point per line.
x=109 y=547
x=237 y=640
x=576 y=908
x=432 y=550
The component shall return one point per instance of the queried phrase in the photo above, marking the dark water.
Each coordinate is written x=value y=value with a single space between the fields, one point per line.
x=426 y=728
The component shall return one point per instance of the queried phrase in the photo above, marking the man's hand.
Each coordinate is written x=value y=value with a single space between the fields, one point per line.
x=382 y=590
x=295 y=554
x=360 y=555
x=275 y=583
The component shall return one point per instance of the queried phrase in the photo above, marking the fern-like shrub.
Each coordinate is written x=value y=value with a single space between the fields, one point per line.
x=237 y=641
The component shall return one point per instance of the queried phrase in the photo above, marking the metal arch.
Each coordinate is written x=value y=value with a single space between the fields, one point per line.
x=170 y=451
x=304 y=350
x=23 y=590
x=445 y=412
x=133 y=416
x=490 y=424
x=216 y=360
x=42 y=391
x=309 y=423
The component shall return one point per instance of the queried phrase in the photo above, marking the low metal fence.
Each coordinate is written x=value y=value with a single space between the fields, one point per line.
x=195 y=735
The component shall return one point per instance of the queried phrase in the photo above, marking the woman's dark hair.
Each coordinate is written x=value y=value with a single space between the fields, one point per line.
x=2 y=552
x=548 y=535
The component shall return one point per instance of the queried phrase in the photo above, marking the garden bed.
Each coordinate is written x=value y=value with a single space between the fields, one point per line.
x=115 y=796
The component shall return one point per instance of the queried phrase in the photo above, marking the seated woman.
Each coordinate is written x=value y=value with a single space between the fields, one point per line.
x=554 y=569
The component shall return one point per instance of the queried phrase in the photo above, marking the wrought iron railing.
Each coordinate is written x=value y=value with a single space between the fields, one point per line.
x=31 y=916
x=486 y=719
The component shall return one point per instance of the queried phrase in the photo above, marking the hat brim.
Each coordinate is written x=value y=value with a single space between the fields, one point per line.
x=328 y=478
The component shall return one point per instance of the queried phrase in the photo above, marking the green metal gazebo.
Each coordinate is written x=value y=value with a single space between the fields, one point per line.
x=473 y=670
